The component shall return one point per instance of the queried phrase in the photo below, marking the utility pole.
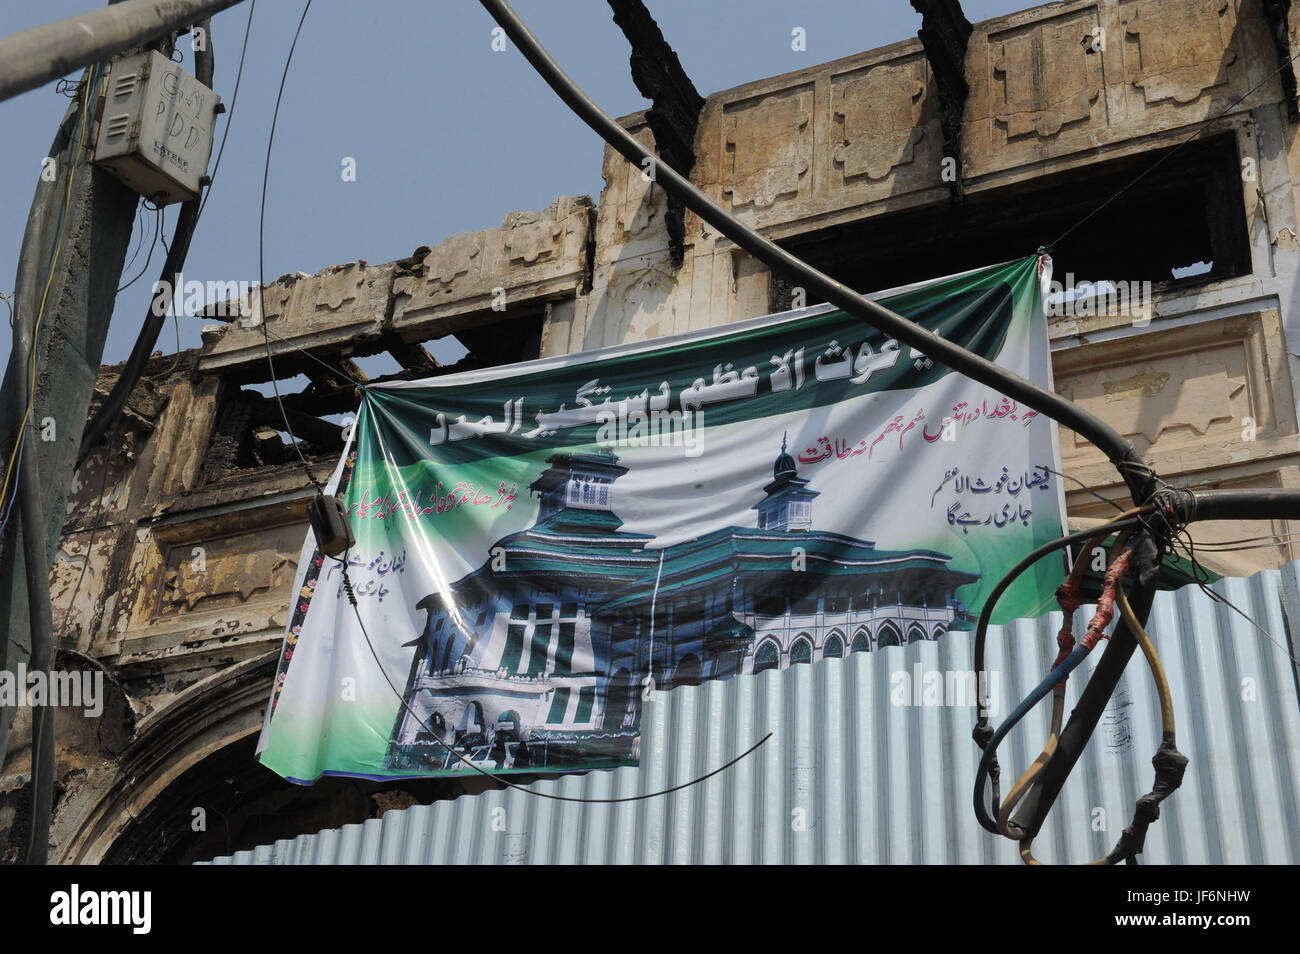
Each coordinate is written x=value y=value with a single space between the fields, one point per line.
x=74 y=247
x=72 y=296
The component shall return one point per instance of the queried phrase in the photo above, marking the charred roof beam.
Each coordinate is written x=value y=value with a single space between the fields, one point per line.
x=945 y=33
x=674 y=114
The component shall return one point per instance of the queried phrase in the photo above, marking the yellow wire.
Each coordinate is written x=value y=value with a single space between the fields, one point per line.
x=49 y=280
x=1025 y=781
x=176 y=359
x=1058 y=706
x=1023 y=784
x=1153 y=660
x=1162 y=690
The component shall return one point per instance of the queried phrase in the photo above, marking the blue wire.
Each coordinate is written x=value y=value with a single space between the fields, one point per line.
x=18 y=462
x=1042 y=689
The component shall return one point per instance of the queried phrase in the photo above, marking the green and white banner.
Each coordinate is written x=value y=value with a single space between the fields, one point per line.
x=540 y=547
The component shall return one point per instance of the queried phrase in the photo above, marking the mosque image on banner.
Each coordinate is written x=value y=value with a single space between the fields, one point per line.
x=579 y=539
x=532 y=661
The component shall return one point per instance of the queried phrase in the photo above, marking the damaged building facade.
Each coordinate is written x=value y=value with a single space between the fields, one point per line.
x=964 y=147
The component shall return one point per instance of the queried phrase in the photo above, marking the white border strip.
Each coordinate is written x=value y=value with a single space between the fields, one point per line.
x=501 y=372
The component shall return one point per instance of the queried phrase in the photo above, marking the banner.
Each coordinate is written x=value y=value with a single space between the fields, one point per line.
x=540 y=547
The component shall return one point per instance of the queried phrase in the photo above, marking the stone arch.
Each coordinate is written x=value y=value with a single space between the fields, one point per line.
x=833 y=647
x=199 y=751
x=861 y=641
x=916 y=633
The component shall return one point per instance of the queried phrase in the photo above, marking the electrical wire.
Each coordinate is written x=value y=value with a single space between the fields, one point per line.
x=261 y=243
x=1169 y=762
x=1067 y=597
x=1249 y=543
x=1058 y=674
x=89 y=84
x=1153 y=661
x=1061 y=670
x=230 y=115
x=983 y=731
x=176 y=358
x=1114 y=445
x=1105 y=500
x=1126 y=521
x=157 y=229
x=139 y=242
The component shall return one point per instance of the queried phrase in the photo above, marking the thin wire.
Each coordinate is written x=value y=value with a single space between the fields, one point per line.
x=261 y=235
x=1168 y=155
x=1255 y=543
x=347 y=584
x=157 y=229
x=230 y=116
x=1190 y=549
x=1105 y=500
x=162 y=229
x=176 y=358
x=139 y=243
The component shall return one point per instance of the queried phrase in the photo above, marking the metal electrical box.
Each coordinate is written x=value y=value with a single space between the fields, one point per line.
x=155 y=134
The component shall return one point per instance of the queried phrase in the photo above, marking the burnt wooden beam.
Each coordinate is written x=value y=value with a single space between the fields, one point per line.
x=341 y=376
x=1276 y=13
x=674 y=113
x=945 y=33
x=411 y=355
x=266 y=411
x=344 y=398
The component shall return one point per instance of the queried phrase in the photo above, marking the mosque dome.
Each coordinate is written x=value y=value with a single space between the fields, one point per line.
x=784 y=466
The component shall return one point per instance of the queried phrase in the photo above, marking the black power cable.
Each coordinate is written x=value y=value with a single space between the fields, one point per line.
x=1137 y=475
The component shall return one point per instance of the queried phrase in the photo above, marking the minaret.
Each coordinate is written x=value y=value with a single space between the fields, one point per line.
x=788 y=504
x=577 y=482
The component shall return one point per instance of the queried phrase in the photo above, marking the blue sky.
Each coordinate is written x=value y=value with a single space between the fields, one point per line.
x=447 y=134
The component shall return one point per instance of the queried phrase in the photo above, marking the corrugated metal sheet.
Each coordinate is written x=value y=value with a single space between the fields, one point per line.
x=850 y=776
